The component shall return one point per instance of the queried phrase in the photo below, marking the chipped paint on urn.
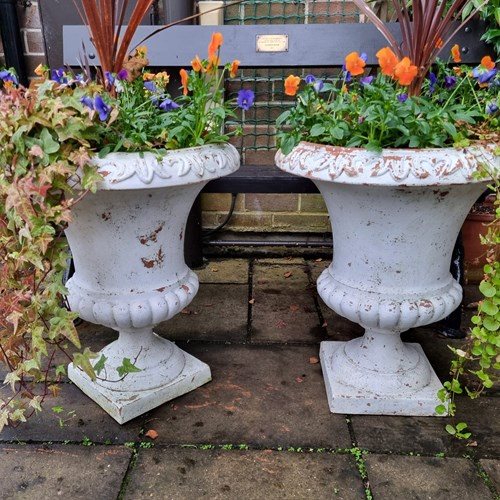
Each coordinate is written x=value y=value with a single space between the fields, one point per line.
x=127 y=242
x=395 y=218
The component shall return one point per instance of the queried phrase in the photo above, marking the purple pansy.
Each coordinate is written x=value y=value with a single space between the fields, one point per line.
x=449 y=81
x=432 y=82
x=168 y=105
x=87 y=101
x=59 y=76
x=402 y=97
x=245 y=99
x=110 y=79
x=150 y=86
x=8 y=76
x=102 y=108
x=366 y=80
x=347 y=76
x=315 y=82
x=122 y=74
x=483 y=75
x=491 y=107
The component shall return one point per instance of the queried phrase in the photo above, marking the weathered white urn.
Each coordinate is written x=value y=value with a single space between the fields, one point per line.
x=127 y=242
x=395 y=218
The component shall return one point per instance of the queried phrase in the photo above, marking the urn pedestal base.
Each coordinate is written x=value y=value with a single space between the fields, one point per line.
x=349 y=399
x=125 y=400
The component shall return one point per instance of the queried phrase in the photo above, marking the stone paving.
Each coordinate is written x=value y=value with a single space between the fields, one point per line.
x=261 y=429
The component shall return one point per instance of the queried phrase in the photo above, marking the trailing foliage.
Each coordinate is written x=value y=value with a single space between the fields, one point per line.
x=480 y=356
x=455 y=106
x=45 y=142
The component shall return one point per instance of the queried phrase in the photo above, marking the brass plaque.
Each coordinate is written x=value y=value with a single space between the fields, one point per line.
x=271 y=43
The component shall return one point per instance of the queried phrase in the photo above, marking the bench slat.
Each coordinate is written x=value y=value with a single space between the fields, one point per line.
x=310 y=45
x=261 y=179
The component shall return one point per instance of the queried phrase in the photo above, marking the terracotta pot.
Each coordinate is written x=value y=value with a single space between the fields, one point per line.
x=395 y=218
x=127 y=242
x=474 y=227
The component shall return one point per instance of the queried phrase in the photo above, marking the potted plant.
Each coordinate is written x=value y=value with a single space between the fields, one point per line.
x=144 y=156
x=395 y=156
x=474 y=229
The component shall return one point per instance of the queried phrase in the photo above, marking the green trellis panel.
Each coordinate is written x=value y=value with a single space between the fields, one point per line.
x=267 y=83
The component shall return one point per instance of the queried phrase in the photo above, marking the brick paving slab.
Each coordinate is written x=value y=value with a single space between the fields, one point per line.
x=73 y=472
x=224 y=271
x=427 y=435
x=317 y=267
x=429 y=478
x=184 y=473
x=260 y=395
x=284 y=308
x=218 y=312
x=79 y=419
x=492 y=468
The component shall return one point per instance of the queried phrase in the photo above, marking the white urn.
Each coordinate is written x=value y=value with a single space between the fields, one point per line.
x=395 y=217
x=127 y=242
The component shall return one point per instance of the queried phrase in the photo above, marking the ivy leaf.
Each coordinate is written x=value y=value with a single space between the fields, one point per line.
x=99 y=366
x=127 y=367
x=49 y=145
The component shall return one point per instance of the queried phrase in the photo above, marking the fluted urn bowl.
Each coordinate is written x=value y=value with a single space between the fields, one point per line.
x=395 y=217
x=127 y=242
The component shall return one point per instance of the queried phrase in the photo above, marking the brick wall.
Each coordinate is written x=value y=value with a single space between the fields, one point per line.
x=31 y=29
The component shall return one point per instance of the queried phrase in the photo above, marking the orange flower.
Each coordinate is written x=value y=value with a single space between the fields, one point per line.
x=234 y=68
x=439 y=43
x=405 y=72
x=196 y=64
x=455 y=53
x=292 y=84
x=215 y=44
x=387 y=61
x=147 y=77
x=213 y=63
x=487 y=62
x=457 y=70
x=184 y=80
x=354 y=64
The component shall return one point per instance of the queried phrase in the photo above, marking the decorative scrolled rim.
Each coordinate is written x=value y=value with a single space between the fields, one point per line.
x=172 y=168
x=401 y=167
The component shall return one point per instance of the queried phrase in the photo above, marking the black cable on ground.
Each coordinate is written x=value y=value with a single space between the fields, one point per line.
x=208 y=233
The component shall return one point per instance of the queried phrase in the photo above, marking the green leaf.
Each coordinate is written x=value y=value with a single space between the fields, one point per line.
x=317 y=130
x=440 y=409
x=49 y=145
x=57 y=409
x=99 y=366
x=487 y=289
x=491 y=324
x=450 y=429
x=127 y=367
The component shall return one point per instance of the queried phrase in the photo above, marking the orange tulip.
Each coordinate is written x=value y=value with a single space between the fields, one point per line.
x=455 y=53
x=184 y=80
x=387 y=61
x=405 y=72
x=234 y=68
x=292 y=84
x=196 y=64
x=487 y=62
x=354 y=64
x=215 y=44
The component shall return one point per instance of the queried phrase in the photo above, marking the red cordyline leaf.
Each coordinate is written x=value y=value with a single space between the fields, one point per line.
x=426 y=26
x=104 y=20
